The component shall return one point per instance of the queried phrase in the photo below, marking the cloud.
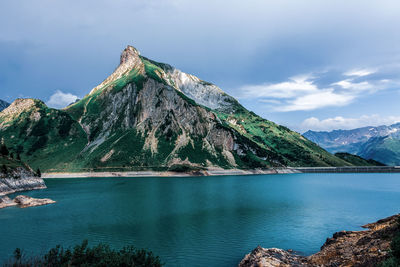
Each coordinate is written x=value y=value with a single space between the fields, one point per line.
x=359 y=72
x=320 y=99
x=339 y=122
x=310 y=92
x=350 y=85
x=296 y=85
x=298 y=93
x=61 y=100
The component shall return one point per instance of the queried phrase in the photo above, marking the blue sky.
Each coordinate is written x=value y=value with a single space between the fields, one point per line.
x=305 y=64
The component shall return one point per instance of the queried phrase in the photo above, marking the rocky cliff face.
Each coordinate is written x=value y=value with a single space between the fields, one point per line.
x=12 y=185
x=19 y=177
x=150 y=115
x=346 y=248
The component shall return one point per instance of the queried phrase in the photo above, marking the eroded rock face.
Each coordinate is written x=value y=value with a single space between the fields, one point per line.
x=156 y=110
x=11 y=185
x=346 y=248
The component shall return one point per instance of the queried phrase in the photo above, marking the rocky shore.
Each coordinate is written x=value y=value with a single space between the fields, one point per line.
x=24 y=201
x=209 y=172
x=12 y=185
x=345 y=248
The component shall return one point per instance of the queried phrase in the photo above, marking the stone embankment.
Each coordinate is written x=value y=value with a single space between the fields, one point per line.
x=345 y=248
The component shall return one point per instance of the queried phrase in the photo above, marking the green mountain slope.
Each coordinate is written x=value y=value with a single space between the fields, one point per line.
x=357 y=160
x=385 y=149
x=149 y=115
x=9 y=165
x=44 y=137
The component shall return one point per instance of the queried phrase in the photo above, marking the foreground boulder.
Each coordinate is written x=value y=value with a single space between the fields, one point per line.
x=345 y=248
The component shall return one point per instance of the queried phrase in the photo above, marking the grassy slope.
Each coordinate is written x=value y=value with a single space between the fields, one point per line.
x=293 y=147
x=357 y=160
x=51 y=142
x=11 y=164
x=382 y=149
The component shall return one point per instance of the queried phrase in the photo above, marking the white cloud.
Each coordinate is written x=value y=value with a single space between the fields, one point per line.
x=304 y=92
x=346 y=123
x=319 y=99
x=360 y=72
x=299 y=93
x=61 y=100
x=350 y=85
x=295 y=86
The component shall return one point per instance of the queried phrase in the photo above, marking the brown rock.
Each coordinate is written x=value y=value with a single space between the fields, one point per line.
x=25 y=201
x=345 y=248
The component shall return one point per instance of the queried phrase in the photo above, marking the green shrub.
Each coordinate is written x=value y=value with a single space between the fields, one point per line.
x=394 y=259
x=83 y=255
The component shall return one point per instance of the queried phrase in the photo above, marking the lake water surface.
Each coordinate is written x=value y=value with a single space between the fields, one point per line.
x=200 y=221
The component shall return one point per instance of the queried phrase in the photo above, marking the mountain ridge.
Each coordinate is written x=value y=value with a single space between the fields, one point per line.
x=380 y=143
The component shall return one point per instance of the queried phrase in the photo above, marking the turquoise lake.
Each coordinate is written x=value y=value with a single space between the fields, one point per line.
x=200 y=221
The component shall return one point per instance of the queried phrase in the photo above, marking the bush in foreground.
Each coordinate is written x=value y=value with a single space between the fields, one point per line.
x=394 y=259
x=83 y=255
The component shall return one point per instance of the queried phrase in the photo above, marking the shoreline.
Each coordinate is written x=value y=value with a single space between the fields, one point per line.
x=138 y=174
x=222 y=172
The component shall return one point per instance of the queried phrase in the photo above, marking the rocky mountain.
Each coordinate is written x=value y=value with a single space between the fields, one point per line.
x=3 y=104
x=149 y=115
x=380 y=143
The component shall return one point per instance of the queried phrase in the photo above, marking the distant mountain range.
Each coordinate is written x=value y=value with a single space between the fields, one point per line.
x=149 y=115
x=380 y=143
x=3 y=104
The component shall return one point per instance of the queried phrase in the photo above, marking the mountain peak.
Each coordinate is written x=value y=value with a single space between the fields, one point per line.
x=129 y=54
x=130 y=59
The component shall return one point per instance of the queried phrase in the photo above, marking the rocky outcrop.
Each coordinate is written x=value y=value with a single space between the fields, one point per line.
x=346 y=248
x=271 y=257
x=12 y=185
x=20 y=178
x=24 y=201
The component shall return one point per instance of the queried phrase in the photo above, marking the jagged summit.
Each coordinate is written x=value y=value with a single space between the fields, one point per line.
x=133 y=65
x=129 y=54
x=129 y=60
